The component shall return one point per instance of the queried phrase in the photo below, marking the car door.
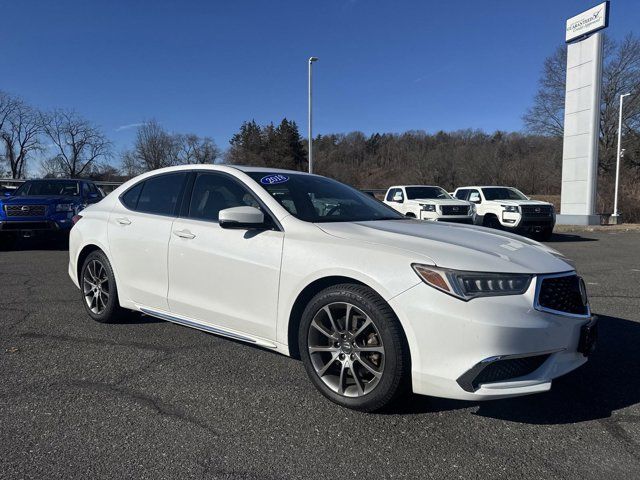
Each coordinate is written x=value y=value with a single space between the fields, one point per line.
x=139 y=230
x=226 y=278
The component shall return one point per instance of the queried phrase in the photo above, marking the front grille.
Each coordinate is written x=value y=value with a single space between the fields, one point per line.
x=25 y=210
x=508 y=369
x=536 y=210
x=563 y=294
x=454 y=210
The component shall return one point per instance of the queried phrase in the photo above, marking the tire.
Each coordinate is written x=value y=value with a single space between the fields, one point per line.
x=492 y=221
x=98 y=290
x=365 y=367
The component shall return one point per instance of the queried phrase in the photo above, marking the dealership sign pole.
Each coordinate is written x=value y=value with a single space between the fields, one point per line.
x=582 y=116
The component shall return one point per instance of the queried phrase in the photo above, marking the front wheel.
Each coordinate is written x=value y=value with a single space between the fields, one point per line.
x=492 y=221
x=353 y=347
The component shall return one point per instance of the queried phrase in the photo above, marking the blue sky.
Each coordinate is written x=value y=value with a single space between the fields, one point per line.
x=206 y=66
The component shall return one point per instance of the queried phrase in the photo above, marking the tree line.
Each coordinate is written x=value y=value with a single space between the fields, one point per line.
x=62 y=143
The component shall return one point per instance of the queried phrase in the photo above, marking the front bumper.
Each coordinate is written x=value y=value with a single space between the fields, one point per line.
x=519 y=221
x=60 y=222
x=449 y=338
x=435 y=217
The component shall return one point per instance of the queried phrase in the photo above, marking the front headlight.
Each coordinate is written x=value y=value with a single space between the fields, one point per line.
x=428 y=208
x=511 y=208
x=468 y=285
x=65 y=207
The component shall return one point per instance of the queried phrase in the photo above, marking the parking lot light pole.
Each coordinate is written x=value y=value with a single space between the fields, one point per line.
x=311 y=60
x=615 y=200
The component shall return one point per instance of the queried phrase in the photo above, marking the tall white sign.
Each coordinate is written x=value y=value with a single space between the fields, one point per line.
x=582 y=117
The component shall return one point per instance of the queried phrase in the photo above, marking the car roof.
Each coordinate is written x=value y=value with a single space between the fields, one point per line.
x=225 y=167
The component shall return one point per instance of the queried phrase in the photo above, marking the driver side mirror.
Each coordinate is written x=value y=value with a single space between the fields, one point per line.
x=243 y=218
x=397 y=197
x=8 y=194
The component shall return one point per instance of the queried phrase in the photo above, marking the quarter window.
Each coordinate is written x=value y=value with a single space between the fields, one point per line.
x=213 y=192
x=130 y=197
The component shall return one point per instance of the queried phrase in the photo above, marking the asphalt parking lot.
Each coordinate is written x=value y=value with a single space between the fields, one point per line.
x=150 y=399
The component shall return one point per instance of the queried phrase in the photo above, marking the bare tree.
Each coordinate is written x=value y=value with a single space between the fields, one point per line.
x=546 y=116
x=153 y=148
x=20 y=130
x=621 y=74
x=196 y=150
x=79 y=143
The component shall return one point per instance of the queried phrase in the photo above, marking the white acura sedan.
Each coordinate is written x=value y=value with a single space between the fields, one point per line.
x=372 y=302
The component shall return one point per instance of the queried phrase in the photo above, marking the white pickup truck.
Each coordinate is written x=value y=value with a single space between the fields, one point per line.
x=508 y=208
x=429 y=203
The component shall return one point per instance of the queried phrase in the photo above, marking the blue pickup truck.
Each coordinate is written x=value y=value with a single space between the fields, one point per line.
x=45 y=205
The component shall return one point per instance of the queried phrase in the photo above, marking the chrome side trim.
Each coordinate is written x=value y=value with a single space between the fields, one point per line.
x=466 y=379
x=199 y=326
x=540 y=308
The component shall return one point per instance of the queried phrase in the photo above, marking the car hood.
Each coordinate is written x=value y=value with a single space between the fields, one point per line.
x=40 y=200
x=456 y=246
x=441 y=201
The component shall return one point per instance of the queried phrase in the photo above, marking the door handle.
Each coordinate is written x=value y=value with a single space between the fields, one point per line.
x=184 y=234
x=123 y=221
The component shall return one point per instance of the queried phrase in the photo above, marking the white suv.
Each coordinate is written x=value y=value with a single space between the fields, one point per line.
x=429 y=203
x=508 y=208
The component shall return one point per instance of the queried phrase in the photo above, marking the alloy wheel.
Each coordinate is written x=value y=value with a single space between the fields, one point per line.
x=96 y=287
x=346 y=349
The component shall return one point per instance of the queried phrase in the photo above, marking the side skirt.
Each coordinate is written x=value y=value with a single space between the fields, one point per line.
x=207 y=328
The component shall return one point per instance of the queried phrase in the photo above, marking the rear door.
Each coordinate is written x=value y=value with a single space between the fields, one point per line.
x=224 y=277
x=139 y=231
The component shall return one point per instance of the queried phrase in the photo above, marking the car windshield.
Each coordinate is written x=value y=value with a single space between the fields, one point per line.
x=319 y=199
x=426 y=192
x=48 y=187
x=502 y=193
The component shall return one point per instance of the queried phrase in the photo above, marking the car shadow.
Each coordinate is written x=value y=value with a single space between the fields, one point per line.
x=58 y=242
x=569 y=237
x=609 y=381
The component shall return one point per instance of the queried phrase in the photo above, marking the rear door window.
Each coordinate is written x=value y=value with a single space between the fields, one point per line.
x=160 y=194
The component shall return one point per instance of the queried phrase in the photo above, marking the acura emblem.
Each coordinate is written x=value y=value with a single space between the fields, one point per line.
x=25 y=208
x=455 y=209
x=583 y=292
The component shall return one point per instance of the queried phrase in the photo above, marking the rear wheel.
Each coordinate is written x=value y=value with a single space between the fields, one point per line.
x=99 y=292
x=353 y=348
